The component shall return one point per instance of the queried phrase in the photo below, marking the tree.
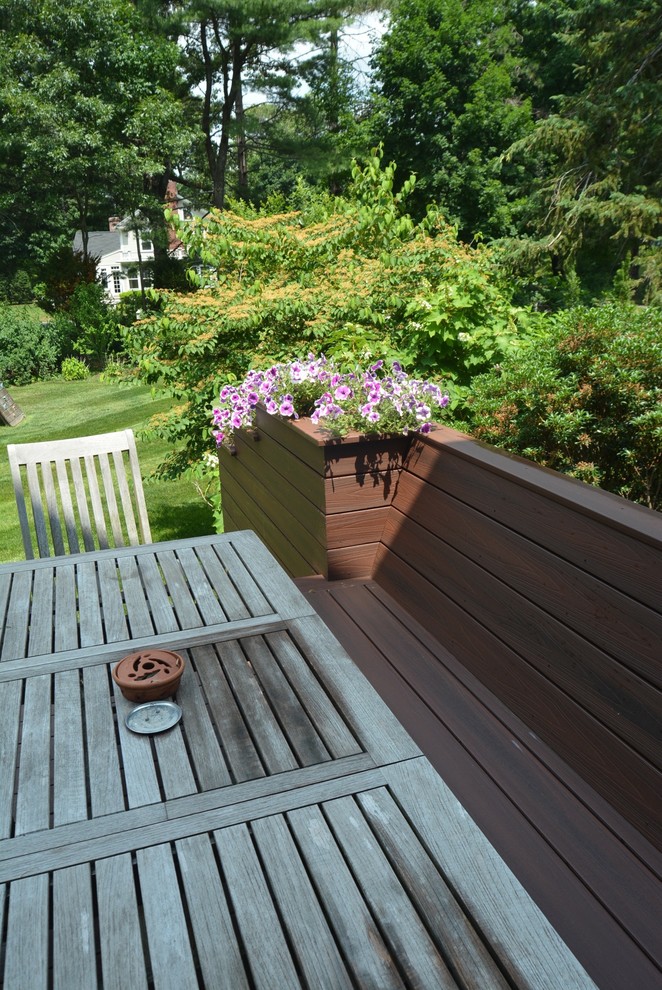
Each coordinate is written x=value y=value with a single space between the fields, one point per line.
x=86 y=115
x=236 y=46
x=448 y=107
x=597 y=198
x=354 y=277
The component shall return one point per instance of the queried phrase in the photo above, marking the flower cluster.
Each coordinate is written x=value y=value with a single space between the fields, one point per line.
x=372 y=401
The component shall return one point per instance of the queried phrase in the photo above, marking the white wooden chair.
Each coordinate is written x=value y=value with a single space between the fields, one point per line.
x=88 y=489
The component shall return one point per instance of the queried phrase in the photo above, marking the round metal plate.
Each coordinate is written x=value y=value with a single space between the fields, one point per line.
x=154 y=716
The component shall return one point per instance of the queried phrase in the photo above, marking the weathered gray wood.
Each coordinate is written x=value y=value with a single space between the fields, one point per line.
x=233 y=558
x=15 y=633
x=137 y=608
x=202 y=591
x=74 y=956
x=240 y=752
x=273 y=746
x=114 y=618
x=96 y=488
x=188 y=616
x=208 y=759
x=278 y=589
x=65 y=621
x=10 y=706
x=310 y=936
x=404 y=932
x=122 y=956
x=269 y=958
x=161 y=609
x=33 y=797
x=327 y=718
x=138 y=769
x=371 y=720
x=89 y=607
x=530 y=951
x=40 y=639
x=229 y=598
x=467 y=955
x=215 y=939
x=300 y=729
x=103 y=764
x=69 y=787
x=106 y=653
x=172 y=959
x=353 y=924
x=26 y=958
x=201 y=818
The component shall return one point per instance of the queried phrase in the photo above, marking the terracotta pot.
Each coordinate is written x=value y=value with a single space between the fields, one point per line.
x=149 y=675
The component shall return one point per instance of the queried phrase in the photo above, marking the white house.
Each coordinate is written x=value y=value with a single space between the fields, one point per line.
x=118 y=267
x=119 y=264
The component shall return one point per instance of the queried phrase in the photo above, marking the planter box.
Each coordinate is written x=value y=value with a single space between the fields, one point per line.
x=318 y=503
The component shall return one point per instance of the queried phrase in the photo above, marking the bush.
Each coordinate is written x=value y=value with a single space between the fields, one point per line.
x=586 y=400
x=28 y=348
x=74 y=370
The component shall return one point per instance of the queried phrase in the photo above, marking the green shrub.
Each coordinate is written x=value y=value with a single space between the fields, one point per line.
x=74 y=370
x=585 y=400
x=28 y=348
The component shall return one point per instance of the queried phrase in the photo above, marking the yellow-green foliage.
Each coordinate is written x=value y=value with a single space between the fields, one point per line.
x=363 y=280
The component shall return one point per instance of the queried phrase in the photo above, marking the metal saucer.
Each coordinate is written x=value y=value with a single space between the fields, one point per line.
x=153 y=716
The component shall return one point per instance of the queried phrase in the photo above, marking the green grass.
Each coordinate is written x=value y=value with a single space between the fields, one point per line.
x=56 y=410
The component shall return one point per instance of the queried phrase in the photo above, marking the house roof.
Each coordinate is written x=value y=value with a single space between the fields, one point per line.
x=100 y=242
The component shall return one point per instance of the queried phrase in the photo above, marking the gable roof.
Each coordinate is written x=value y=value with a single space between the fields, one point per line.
x=99 y=243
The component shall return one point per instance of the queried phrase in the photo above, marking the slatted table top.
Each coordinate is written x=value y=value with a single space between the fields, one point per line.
x=286 y=833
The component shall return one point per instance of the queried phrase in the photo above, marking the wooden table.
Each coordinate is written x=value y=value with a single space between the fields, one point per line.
x=286 y=833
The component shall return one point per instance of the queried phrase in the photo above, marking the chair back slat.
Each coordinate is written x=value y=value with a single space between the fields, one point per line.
x=88 y=488
x=125 y=496
x=97 y=505
x=67 y=506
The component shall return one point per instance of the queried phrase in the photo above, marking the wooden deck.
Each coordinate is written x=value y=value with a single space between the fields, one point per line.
x=287 y=833
x=591 y=872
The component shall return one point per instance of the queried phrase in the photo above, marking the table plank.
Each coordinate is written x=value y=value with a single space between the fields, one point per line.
x=269 y=959
x=106 y=793
x=202 y=590
x=122 y=956
x=310 y=936
x=467 y=955
x=89 y=605
x=65 y=620
x=217 y=944
x=354 y=926
x=74 y=958
x=371 y=720
x=10 y=706
x=183 y=602
x=137 y=608
x=69 y=784
x=112 y=603
x=26 y=958
x=162 y=612
x=33 y=792
x=17 y=616
x=171 y=955
x=40 y=639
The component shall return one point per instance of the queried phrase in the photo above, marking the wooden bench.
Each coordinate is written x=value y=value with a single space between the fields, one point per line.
x=512 y=621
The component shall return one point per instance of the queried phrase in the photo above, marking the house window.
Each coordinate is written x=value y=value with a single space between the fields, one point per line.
x=116 y=279
x=145 y=243
x=134 y=280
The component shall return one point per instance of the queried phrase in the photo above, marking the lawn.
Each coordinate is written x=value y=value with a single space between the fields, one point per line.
x=57 y=409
